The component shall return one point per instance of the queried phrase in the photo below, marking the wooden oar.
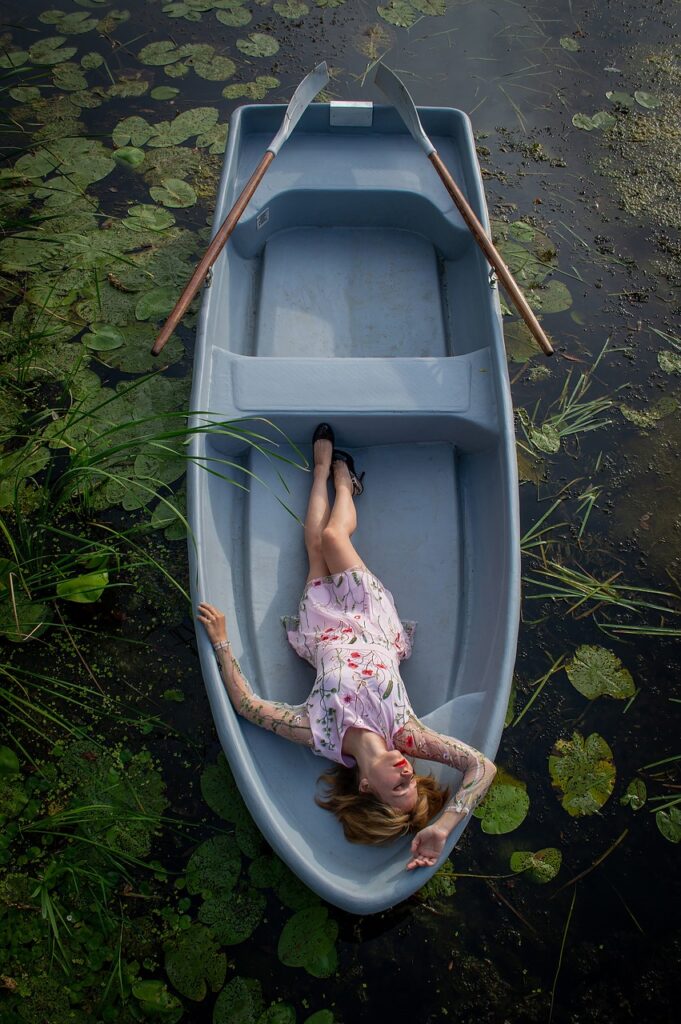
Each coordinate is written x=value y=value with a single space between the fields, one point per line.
x=301 y=99
x=389 y=84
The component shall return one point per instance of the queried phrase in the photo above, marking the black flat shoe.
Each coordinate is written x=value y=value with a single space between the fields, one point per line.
x=323 y=432
x=339 y=456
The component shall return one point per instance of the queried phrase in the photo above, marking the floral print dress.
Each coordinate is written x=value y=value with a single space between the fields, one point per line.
x=349 y=630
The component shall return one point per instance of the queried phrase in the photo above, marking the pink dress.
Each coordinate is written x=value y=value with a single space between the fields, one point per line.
x=350 y=632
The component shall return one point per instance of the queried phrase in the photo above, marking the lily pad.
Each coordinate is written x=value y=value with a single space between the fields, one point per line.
x=635 y=795
x=240 y=1002
x=160 y=53
x=83 y=589
x=258 y=44
x=130 y=155
x=51 y=51
x=505 y=805
x=146 y=217
x=9 y=762
x=649 y=417
x=600 y=120
x=442 y=885
x=194 y=963
x=164 y=92
x=622 y=98
x=520 y=343
x=553 y=298
x=583 y=772
x=25 y=93
x=539 y=867
x=669 y=362
x=570 y=44
x=308 y=940
x=647 y=100
x=175 y=193
x=133 y=131
x=669 y=824
x=597 y=672
x=156 y=303
x=214 y=867
x=293 y=10
x=234 y=16
x=215 y=69
x=102 y=338
x=157 y=1002
x=233 y=917
x=399 y=12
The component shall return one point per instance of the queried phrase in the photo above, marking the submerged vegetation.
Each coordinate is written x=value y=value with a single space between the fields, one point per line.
x=133 y=883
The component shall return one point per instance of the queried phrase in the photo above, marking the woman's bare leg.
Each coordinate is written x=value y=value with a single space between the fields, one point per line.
x=318 y=509
x=337 y=548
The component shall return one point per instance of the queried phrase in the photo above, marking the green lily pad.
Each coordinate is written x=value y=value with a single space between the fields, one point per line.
x=240 y=1002
x=293 y=10
x=234 y=16
x=214 y=867
x=258 y=44
x=505 y=805
x=649 y=417
x=583 y=122
x=160 y=53
x=156 y=303
x=545 y=437
x=130 y=155
x=102 y=338
x=91 y=61
x=520 y=343
x=308 y=940
x=133 y=131
x=175 y=193
x=216 y=69
x=539 y=867
x=597 y=672
x=635 y=795
x=74 y=23
x=321 y=1016
x=441 y=886
x=570 y=44
x=669 y=362
x=83 y=589
x=164 y=92
x=156 y=1001
x=583 y=772
x=623 y=99
x=51 y=51
x=647 y=99
x=11 y=59
x=554 y=297
x=278 y=1013
x=194 y=963
x=399 y=12
x=69 y=78
x=669 y=824
x=25 y=93
x=603 y=119
x=9 y=762
x=233 y=917
x=146 y=217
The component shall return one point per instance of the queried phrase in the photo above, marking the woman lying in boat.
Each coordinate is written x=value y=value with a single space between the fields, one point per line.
x=358 y=713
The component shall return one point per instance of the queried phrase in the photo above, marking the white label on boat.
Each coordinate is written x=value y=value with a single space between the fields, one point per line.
x=355 y=115
x=262 y=218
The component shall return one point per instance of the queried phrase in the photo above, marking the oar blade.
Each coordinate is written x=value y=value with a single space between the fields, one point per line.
x=301 y=99
x=394 y=91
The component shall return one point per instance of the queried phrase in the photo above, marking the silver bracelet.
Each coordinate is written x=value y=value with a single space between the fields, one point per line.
x=221 y=645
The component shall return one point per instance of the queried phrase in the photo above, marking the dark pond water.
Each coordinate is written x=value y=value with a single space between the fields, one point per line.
x=601 y=208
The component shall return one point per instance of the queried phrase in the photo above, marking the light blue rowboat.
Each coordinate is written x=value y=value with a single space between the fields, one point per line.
x=351 y=291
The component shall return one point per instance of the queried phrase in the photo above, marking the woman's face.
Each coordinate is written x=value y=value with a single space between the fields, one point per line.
x=391 y=779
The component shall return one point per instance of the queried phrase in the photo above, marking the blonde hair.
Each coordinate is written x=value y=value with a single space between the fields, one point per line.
x=366 y=819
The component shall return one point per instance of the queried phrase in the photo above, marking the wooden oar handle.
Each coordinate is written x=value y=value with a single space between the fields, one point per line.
x=480 y=235
x=212 y=253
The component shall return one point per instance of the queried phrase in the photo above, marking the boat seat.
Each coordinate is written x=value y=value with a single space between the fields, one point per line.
x=446 y=398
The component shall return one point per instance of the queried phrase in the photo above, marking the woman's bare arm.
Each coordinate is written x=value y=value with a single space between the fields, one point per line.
x=291 y=721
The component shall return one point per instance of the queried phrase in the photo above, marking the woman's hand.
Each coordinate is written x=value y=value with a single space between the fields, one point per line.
x=427 y=846
x=213 y=621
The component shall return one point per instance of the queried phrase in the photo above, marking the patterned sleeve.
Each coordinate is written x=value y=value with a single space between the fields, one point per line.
x=288 y=720
x=417 y=740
